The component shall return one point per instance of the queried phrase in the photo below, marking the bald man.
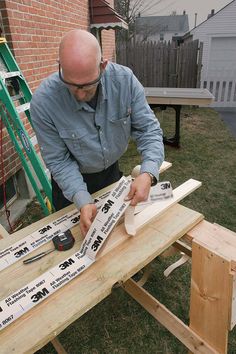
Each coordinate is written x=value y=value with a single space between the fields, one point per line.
x=84 y=116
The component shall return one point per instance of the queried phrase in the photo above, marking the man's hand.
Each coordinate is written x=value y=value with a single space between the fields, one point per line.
x=87 y=215
x=139 y=189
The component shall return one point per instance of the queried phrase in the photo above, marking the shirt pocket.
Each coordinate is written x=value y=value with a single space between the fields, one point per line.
x=120 y=130
x=73 y=139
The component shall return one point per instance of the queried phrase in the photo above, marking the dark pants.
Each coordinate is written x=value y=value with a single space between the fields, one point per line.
x=94 y=181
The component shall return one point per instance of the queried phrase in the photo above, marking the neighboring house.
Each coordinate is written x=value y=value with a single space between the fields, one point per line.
x=33 y=30
x=218 y=34
x=161 y=28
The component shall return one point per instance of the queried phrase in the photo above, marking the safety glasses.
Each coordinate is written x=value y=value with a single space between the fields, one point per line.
x=79 y=86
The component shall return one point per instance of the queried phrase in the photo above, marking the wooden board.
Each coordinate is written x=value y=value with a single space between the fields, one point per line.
x=118 y=263
x=157 y=208
x=164 y=166
x=210 y=296
x=216 y=238
x=233 y=302
x=181 y=331
x=220 y=242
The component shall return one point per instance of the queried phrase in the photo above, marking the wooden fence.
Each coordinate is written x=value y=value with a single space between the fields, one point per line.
x=161 y=64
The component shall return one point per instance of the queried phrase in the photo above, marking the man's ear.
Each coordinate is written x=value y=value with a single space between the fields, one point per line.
x=104 y=64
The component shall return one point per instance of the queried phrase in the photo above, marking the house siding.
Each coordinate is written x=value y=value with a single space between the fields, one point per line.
x=33 y=30
x=152 y=28
x=221 y=25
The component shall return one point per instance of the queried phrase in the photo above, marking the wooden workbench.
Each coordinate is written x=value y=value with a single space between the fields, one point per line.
x=122 y=257
x=175 y=98
x=48 y=319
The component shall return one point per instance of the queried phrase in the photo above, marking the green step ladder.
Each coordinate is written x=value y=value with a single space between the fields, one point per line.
x=15 y=96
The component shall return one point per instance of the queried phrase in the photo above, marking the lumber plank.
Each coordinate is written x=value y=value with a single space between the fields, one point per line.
x=159 y=207
x=210 y=296
x=233 y=301
x=45 y=321
x=181 y=331
x=150 y=213
x=58 y=346
x=147 y=271
x=164 y=166
x=183 y=247
x=216 y=238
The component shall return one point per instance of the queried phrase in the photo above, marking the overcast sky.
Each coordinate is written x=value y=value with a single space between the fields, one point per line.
x=165 y=7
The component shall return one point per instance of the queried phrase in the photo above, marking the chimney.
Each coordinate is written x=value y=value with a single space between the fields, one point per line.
x=184 y=12
x=195 y=21
x=211 y=14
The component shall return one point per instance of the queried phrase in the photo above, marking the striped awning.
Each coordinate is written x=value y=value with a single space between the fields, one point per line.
x=103 y=16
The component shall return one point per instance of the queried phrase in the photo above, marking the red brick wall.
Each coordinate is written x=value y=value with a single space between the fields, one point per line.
x=33 y=29
x=108 y=47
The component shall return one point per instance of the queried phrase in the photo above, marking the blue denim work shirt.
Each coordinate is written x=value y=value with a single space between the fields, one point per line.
x=68 y=137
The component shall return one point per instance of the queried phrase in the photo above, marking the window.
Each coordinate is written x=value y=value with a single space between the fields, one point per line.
x=11 y=192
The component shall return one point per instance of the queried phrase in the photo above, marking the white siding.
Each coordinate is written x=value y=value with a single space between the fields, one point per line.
x=218 y=35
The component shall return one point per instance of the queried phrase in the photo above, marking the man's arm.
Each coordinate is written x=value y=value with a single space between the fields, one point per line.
x=146 y=131
x=57 y=157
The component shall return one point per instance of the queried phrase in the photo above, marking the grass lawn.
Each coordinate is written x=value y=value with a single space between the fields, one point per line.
x=118 y=324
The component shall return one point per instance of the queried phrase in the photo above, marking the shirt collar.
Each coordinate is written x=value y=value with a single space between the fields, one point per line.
x=77 y=105
x=102 y=96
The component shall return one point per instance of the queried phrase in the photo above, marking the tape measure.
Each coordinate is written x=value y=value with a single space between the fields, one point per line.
x=62 y=242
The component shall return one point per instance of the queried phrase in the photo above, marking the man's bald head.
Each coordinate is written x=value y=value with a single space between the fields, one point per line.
x=81 y=63
x=79 y=48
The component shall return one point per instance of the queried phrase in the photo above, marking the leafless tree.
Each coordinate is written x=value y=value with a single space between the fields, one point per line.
x=130 y=10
